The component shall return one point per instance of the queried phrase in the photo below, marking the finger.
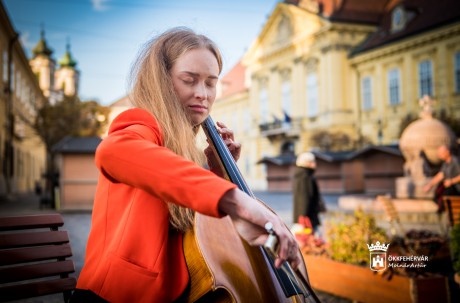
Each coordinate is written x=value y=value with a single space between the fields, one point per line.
x=221 y=124
x=224 y=131
x=295 y=264
x=227 y=134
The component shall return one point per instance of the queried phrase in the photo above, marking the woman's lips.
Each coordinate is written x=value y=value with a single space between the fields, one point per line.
x=198 y=108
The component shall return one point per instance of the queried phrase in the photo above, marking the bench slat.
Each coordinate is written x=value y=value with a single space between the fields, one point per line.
x=31 y=254
x=33 y=239
x=46 y=247
x=31 y=221
x=452 y=205
x=40 y=288
x=35 y=271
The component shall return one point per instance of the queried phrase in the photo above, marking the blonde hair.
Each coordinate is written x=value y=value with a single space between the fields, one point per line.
x=152 y=89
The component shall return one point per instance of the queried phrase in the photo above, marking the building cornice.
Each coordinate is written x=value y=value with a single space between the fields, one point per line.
x=401 y=46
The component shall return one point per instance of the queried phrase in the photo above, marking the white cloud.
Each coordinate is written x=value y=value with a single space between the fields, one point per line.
x=100 y=5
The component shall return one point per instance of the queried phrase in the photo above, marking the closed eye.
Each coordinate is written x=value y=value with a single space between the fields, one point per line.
x=189 y=81
x=211 y=83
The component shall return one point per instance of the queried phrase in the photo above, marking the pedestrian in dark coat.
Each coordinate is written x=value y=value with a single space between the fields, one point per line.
x=307 y=198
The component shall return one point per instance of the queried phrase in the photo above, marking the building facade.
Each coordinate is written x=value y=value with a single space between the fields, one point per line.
x=337 y=75
x=22 y=152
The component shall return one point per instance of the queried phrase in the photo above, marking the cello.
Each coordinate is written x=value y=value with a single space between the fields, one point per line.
x=223 y=267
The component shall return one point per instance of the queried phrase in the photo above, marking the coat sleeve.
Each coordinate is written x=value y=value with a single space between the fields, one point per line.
x=133 y=154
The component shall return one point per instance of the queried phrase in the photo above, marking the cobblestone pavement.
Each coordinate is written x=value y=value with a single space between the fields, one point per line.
x=78 y=225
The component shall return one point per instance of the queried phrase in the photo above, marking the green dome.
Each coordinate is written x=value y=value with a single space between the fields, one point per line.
x=67 y=60
x=42 y=48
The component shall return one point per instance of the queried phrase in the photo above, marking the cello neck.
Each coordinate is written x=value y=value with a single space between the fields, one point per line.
x=224 y=157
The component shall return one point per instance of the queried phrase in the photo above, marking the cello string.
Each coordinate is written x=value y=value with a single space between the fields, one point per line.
x=224 y=152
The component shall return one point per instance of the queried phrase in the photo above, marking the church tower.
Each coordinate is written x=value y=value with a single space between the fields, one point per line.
x=43 y=65
x=67 y=76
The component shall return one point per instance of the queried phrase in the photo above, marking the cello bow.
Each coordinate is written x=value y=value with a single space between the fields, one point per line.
x=282 y=283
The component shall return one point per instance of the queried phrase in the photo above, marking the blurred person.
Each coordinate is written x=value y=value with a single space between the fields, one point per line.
x=447 y=180
x=307 y=197
x=152 y=179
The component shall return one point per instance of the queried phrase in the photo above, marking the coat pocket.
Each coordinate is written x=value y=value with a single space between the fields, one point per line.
x=128 y=282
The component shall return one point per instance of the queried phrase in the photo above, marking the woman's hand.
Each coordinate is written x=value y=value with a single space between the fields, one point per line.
x=229 y=140
x=250 y=217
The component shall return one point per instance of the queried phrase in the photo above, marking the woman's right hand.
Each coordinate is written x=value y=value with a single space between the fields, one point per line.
x=250 y=217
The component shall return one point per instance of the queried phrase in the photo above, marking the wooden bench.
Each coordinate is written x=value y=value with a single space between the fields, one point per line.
x=452 y=206
x=33 y=257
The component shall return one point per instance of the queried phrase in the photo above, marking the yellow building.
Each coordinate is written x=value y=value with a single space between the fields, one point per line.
x=22 y=152
x=334 y=75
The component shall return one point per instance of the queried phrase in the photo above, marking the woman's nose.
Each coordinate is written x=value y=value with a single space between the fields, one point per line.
x=200 y=91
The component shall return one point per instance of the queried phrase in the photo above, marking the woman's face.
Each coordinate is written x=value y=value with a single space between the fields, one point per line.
x=194 y=76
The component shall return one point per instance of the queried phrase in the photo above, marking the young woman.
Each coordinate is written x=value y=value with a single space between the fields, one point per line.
x=152 y=181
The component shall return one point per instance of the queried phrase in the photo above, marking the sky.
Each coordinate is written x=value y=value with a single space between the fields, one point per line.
x=106 y=35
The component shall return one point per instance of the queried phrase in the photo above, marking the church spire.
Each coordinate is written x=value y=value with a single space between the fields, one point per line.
x=67 y=60
x=42 y=48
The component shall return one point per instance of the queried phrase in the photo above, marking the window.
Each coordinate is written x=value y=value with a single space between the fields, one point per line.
x=247 y=121
x=235 y=122
x=394 y=86
x=263 y=97
x=366 y=92
x=12 y=76
x=247 y=165
x=425 y=74
x=5 y=66
x=457 y=72
x=312 y=95
x=398 y=19
x=18 y=84
x=286 y=97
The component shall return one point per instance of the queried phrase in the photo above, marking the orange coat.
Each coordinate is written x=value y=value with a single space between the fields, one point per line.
x=132 y=255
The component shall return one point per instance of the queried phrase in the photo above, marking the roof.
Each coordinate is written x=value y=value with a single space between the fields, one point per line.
x=388 y=149
x=77 y=145
x=67 y=60
x=284 y=159
x=287 y=159
x=42 y=48
x=356 y=11
x=233 y=81
x=420 y=15
x=123 y=102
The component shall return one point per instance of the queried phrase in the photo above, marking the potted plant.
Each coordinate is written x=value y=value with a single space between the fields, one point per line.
x=341 y=266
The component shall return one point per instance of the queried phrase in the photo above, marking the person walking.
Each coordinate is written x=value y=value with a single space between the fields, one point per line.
x=307 y=197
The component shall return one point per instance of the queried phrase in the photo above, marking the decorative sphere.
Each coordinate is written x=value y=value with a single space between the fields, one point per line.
x=426 y=135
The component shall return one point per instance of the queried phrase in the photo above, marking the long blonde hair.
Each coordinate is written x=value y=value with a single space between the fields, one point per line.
x=152 y=89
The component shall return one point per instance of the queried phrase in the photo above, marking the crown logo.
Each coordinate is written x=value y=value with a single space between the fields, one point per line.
x=378 y=246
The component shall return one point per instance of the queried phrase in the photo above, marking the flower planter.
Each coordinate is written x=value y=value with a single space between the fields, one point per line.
x=364 y=285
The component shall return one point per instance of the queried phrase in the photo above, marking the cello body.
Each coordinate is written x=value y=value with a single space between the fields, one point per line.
x=224 y=268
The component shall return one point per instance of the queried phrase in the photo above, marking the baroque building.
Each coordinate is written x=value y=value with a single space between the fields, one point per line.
x=23 y=154
x=26 y=85
x=337 y=75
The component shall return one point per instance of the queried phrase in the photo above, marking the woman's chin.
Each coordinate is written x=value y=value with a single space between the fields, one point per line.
x=198 y=119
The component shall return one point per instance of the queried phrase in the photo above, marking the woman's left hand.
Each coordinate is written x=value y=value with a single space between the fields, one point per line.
x=229 y=139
